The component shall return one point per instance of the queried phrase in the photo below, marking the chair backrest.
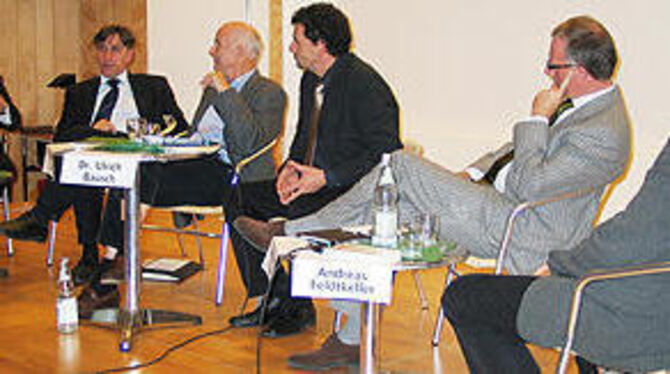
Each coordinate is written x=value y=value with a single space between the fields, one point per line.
x=520 y=209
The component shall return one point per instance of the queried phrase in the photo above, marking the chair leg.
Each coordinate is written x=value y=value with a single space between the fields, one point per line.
x=5 y=201
x=198 y=241
x=437 y=333
x=180 y=241
x=337 y=321
x=52 y=243
x=419 y=288
x=223 y=258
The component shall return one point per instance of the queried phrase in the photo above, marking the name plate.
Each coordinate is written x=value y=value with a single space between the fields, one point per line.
x=101 y=170
x=336 y=277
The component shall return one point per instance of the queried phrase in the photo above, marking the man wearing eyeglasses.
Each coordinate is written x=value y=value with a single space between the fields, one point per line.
x=560 y=148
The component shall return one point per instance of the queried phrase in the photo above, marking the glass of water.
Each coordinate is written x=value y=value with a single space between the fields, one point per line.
x=136 y=128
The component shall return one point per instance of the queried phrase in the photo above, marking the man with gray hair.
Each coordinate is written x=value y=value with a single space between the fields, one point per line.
x=240 y=110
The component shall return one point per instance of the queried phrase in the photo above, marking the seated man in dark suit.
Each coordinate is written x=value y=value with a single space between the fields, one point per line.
x=348 y=117
x=624 y=323
x=97 y=107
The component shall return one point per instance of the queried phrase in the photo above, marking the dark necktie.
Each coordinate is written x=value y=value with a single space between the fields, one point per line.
x=500 y=163
x=109 y=101
x=314 y=128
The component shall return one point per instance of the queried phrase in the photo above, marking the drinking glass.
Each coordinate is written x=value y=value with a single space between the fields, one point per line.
x=137 y=128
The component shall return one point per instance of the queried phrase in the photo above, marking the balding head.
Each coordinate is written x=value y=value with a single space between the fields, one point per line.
x=237 y=49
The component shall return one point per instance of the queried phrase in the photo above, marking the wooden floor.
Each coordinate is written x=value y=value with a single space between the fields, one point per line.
x=30 y=343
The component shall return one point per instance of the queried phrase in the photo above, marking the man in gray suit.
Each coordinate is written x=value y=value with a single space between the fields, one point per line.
x=240 y=110
x=623 y=324
x=583 y=147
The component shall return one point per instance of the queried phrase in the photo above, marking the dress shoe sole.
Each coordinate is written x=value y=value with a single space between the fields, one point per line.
x=111 y=281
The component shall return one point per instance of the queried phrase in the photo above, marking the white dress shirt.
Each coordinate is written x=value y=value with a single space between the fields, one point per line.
x=125 y=107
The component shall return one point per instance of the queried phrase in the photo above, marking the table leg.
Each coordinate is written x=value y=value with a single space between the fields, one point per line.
x=370 y=339
x=130 y=319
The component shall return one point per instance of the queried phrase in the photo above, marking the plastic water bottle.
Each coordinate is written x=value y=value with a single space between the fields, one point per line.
x=66 y=305
x=385 y=207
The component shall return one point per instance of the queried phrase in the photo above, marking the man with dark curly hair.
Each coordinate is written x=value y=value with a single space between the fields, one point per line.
x=348 y=117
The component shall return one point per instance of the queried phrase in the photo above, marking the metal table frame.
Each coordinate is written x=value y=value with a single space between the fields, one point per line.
x=131 y=319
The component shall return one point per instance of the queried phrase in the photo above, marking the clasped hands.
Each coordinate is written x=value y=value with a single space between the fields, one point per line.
x=296 y=179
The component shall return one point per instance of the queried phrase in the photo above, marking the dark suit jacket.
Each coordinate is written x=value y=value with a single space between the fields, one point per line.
x=153 y=98
x=253 y=117
x=13 y=110
x=358 y=121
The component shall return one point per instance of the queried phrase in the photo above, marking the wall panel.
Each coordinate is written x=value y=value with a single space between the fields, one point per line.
x=43 y=38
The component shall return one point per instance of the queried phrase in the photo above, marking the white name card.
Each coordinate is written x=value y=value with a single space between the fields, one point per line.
x=101 y=170
x=336 y=277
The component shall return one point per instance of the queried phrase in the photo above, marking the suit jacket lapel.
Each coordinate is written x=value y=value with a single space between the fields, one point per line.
x=140 y=95
x=588 y=110
x=205 y=101
x=89 y=97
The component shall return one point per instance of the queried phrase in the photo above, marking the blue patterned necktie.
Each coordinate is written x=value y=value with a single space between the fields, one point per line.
x=109 y=101
x=500 y=163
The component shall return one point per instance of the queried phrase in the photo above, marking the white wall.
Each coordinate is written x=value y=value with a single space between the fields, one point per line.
x=462 y=70
x=179 y=35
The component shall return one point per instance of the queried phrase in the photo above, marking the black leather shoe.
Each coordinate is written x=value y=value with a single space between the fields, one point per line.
x=292 y=319
x=258 y=233
x=89 y=301
x=113 y=271
x=84 y=271
x=252 y=319
x=24 y=227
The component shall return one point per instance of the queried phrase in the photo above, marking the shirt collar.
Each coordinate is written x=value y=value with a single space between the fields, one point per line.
x=238 y=83
x=122 y=78
x=582 y=100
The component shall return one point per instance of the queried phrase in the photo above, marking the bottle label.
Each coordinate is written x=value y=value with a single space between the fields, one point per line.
x=66 y=311
x=386 y=225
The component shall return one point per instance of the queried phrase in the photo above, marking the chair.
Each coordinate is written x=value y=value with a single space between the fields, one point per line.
x=6 y=180
x=504 y=246
x=218 y=210
x=609 y=275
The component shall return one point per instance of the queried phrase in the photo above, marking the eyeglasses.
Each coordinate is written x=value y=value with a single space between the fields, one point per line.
x=551 y=66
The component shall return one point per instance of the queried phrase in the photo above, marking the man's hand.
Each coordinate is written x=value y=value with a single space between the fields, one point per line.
x=542 y=271
x=287 y=180
x=104 y=125
x=547 y=101
x=299 y=180
x=463 y=175
x=3 y=104
x=216 y=80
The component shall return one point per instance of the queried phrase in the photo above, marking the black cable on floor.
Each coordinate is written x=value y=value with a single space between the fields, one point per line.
x=266 y=300
x=168 y=351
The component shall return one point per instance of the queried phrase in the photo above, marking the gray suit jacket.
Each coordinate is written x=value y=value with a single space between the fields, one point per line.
x=253 y=117
x=588 y=148
x=624 y=323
